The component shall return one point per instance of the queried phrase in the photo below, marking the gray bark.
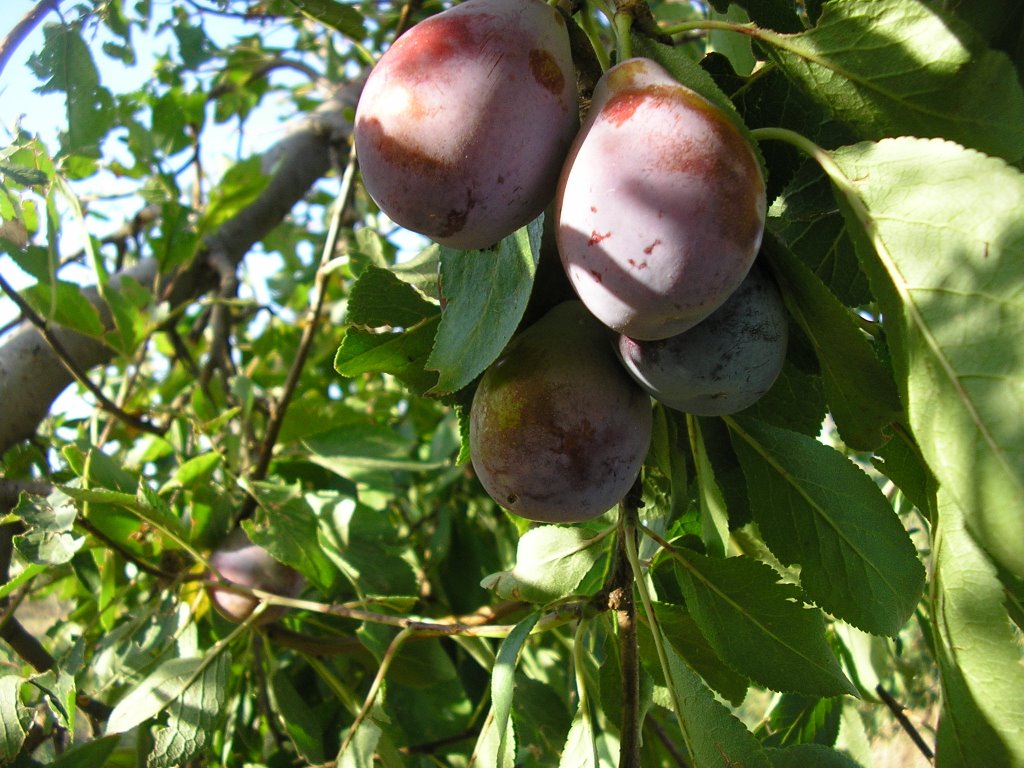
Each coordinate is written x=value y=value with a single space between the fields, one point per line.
x=31 y=374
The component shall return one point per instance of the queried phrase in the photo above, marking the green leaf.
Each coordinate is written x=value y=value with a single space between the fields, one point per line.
x=356 y=449
x=154 y=694
x=979 y=654
x=12 y=729
x=362 y=749
x=379 y=298
x=580 y=750
x=486 y=754
x=799 y=719
x=713 y=735
x=192 y=718
x=241 y=184
x=288 y=529
x=944 y=257
x=89 y=754
x=551 y=561
x=856 y=559
x=337 y=16
x=803 y=755
x=362 y=544
x=402 y=354
x=900 y=460
x=897 y=68
x=860 y=392
x=67 y=65
x=66 y=304
x=486 y=293
x=759 y=625
x=714 y=520
x=197 y=470
x=808 y=221
x=49 y=539
x=503 y=683
x=693 y=647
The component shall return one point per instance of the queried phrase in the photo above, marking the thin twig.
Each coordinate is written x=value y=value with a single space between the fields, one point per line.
x=319 y=294
x=475 y=625
x=73 y=368
x=126 y=553
x=378 y=680
x=22 y=29
x=667 y=742
x=897 y=709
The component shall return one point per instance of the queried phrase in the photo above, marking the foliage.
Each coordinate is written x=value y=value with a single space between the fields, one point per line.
x=855 y=533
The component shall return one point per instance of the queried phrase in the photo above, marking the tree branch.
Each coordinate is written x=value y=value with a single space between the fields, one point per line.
x=31 y=375
x=280 y=408
x=69 y=363
x=22 y=29
x=897 y=709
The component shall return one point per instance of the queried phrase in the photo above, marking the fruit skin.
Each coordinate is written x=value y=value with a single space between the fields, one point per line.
x=722 y=365
x=241 y=562
x=660 y=206
x=464 y=123
x=558 y=430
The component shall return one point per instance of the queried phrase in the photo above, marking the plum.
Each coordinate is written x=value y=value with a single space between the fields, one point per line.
x=660 y=206
x=464 y=123
x=241 y=562
x=723 y=364
x=558 y=430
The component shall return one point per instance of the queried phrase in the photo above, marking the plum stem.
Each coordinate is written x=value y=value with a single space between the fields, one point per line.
x=623 y=22
x=590 y=28
x=831 y=169
x=700 y=25
x=640 y=579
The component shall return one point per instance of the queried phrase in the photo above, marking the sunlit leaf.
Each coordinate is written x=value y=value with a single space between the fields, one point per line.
x=898 y=67
x=942 y=243
x=485 y=294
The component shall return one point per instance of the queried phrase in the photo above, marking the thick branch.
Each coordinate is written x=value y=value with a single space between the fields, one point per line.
x=22 y=29
x=31 y=375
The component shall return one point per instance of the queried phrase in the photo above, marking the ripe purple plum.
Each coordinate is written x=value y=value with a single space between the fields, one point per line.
x=241 y=562
x=660 y=206
x=464 y=123
x=558 y=430
x=722 y=365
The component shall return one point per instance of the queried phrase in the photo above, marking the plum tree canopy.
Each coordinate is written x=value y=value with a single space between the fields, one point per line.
x=209 y=326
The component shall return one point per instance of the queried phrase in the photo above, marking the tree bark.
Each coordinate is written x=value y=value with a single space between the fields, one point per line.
x=32 y=376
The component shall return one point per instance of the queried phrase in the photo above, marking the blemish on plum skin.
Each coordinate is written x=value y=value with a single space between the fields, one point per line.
x=620 y=107
x=638 y=264
x=546 y=71
x=593 y=209
x=596 y=237
x=650 y=248
x=598 y=277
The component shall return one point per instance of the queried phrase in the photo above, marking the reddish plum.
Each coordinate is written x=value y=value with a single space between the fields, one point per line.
x=660 y=206
x=464 y=123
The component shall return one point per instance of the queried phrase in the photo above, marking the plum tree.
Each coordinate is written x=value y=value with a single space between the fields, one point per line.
x=464 y=123
x=723 y=364
x=660 y=206
x=558 y=430
x=241 y=562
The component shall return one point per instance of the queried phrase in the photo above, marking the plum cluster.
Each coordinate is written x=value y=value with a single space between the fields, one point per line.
x=467 y=129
